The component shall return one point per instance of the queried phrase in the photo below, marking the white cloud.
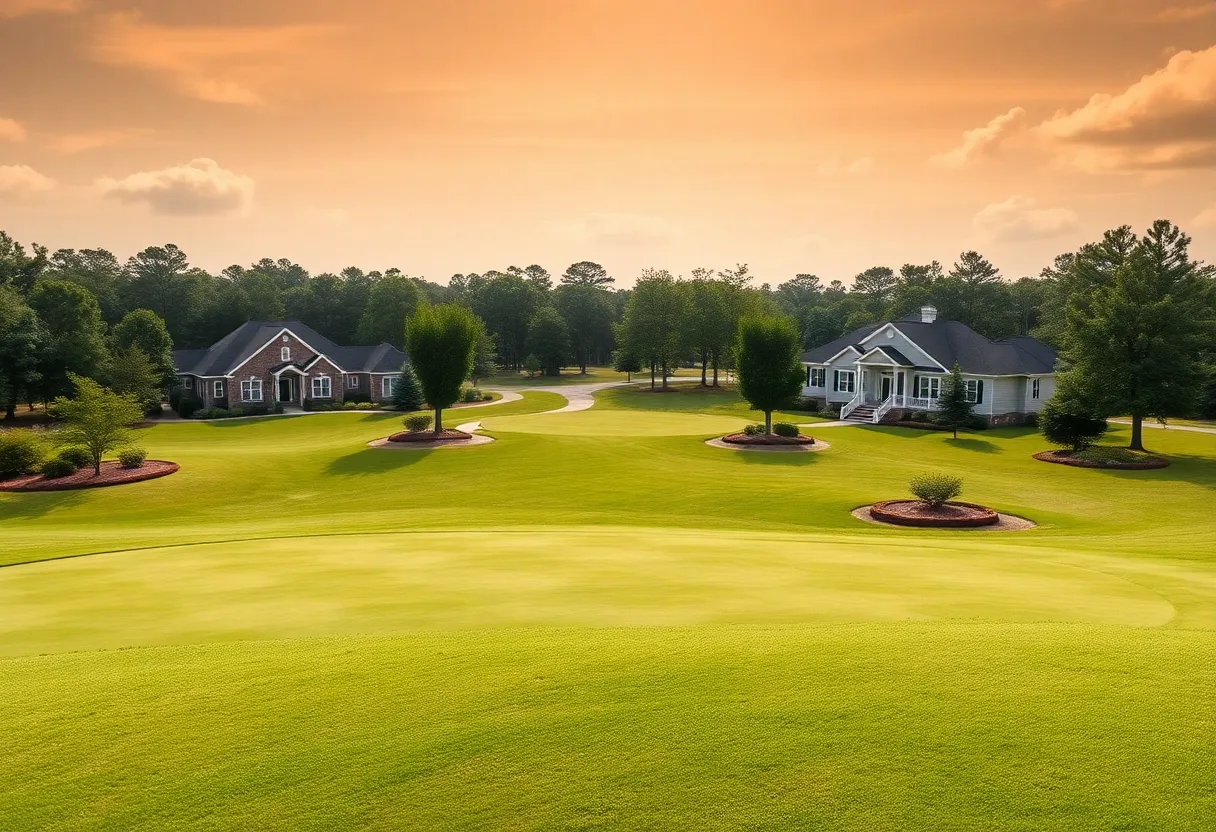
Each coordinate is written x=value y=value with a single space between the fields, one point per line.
x=20 y=8
x=982 y=141
x=1020 y=218
x=619 y=230
x=838 y=167
x=11 y=131
x=1166 y=120
x=23 y=180
x=199 y=188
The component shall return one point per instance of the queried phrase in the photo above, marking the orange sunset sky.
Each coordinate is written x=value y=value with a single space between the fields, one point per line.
x=466 y=135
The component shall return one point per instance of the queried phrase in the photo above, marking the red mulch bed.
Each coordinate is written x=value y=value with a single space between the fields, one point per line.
x=112 y=473
x=770 y=439
x=429 y=436
x=1066 y=458
x=952 y=515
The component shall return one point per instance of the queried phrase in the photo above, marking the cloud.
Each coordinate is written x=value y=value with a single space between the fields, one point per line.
x=1184 y=14
x=199 y=188
x=982 y=141
x=1205 y=218
x=20 y=8
x=221 y=64
x=1019 y=218
x=23 y=180
x=837 y=167
x=1166 y=120
x=94 y=139
x=11 y=131
x=619 y=230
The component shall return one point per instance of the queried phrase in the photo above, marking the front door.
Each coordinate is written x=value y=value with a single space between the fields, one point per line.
x=286 y=389
x=886 y=388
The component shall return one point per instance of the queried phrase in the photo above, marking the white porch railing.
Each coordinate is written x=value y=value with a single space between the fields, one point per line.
x=852 y=405
x=884 y=408
x=918 y=403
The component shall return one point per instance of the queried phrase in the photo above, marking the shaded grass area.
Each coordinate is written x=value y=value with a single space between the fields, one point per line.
x=571 y=375
x=692 y=398
x=900 y=726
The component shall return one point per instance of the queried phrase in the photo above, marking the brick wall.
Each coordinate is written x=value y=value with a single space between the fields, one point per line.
x=259 y=367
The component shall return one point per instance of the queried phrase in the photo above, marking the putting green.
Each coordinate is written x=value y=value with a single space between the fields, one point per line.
x=616 y=423
x=391 y=583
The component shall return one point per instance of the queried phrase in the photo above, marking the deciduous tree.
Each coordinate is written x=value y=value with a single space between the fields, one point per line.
x=74 y=339
x=21 y=338
x=96 y=419
x=549 y=340
x=143 y=328
x=441 y=341
x=770 y=367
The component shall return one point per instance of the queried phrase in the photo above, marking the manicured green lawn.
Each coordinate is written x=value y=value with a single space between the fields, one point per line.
x=598 y=621
x=571 y=375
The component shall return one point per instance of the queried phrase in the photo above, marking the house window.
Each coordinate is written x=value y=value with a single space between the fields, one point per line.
x=285 y=353
x=816 y=377
x=187 y=382
x=352 y=382
x=217 y=388
x=251 y=390
x=1034 y=388
x=844 y=381
x=975 y=391
x=284 y=339
x=924 y=387
x=320 y=388
x=386 y=386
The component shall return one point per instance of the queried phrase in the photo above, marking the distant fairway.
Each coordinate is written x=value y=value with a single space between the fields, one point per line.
x=600 y=622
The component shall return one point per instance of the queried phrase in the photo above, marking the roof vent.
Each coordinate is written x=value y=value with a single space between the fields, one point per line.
x=928 y=314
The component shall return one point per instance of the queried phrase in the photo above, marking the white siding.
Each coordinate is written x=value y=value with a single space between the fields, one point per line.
x=1008 y=394
x=898 y=340
x=1047 y=387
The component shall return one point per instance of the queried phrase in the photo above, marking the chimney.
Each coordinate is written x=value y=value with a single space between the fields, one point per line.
x=928 y=314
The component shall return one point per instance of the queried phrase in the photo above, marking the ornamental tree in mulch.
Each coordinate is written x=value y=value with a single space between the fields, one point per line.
x=97 y=419
x=954 y=411
x=770 y=363
x=1068 y=421
x=441 y=341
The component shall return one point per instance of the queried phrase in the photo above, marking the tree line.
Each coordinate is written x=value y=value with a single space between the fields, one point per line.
x=71 y=310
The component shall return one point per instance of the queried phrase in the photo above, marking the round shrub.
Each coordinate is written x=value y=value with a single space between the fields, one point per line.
x=935 y=489
x=416 y=422
x=1068 y=422
x=132 y=457
x=188 y=403
x=21 y=452
x=352 y=405
x=920 y=416
x=55 y=468
x=80 y=457
x=785 y=429
x=471 y=394
x=753 y=430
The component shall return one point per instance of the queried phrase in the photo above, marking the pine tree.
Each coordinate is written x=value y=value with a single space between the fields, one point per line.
x=407 y=392
x=954 y=411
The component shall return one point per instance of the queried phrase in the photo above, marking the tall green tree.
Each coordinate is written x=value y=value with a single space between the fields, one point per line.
x=74 y=334
x=586 y=273
x=1135 y=346
x=485 y=355
x=588 y=312
x=143 y=328
x=407 y=391
x=653 y=328
x=130 y=372
x=623 y=361
x=96 y=419
x=877 y=286
x=953 y=409
x=708 y=320
x=19 y=269
x=507 y=303
x=97 y=270
x=441 y=341
x=973 y=293
x=770 y=367
x=392 y=301
x=549 y=340
x=159 y=278
x=21 y=339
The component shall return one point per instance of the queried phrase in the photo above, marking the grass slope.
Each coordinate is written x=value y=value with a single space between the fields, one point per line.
x=600 y=622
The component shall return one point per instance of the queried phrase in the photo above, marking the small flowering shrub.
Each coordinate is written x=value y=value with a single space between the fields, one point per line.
x=935 y=489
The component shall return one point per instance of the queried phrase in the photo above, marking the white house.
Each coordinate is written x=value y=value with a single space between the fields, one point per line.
x=900 y=366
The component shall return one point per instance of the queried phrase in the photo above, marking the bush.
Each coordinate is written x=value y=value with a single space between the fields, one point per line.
x=831 y=410
x=1107 y=455
x=920 y=416
x=935 y=489
x=785 y=429
x=187 y=403
x=1068 y=422
x=753 y=430
x=471 y=394
x=416 y=422
x=80 y=457
x=132 y=457
x=56 y=468
x=978 y=423
x=352 y=405
x=21 y=452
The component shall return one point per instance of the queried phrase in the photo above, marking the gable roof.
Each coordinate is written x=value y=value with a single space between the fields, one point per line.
x=228 y=353
x=950 y=342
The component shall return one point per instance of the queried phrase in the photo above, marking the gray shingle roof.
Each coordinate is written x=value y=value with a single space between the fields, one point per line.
x=948 y=342
x=228 y=352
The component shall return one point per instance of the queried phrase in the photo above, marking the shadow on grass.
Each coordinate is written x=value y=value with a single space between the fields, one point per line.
x=969 y=444
x=374 y=461
x=31 y=504
x=1197 y=470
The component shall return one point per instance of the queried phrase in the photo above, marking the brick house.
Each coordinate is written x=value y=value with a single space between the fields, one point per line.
x=263 y=363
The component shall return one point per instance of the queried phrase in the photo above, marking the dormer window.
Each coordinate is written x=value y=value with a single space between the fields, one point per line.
x=285 y=354
x=284 y=339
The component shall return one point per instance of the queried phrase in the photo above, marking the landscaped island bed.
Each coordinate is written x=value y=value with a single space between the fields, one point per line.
x=602 y=622
x=1119 y=459
x=767 y=439
x=112 y=473
x=952 y=515
x=446 y=435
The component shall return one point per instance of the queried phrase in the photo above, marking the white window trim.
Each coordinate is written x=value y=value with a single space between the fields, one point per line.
x=1035 y=389
x=284 y=353
x=819 y=377
x=318 y=381
x=252 y=383
x=217 y=389
x=352 y=382
x=386 y=386
x=845 y=381
x=926 y=387
x=972 y=386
